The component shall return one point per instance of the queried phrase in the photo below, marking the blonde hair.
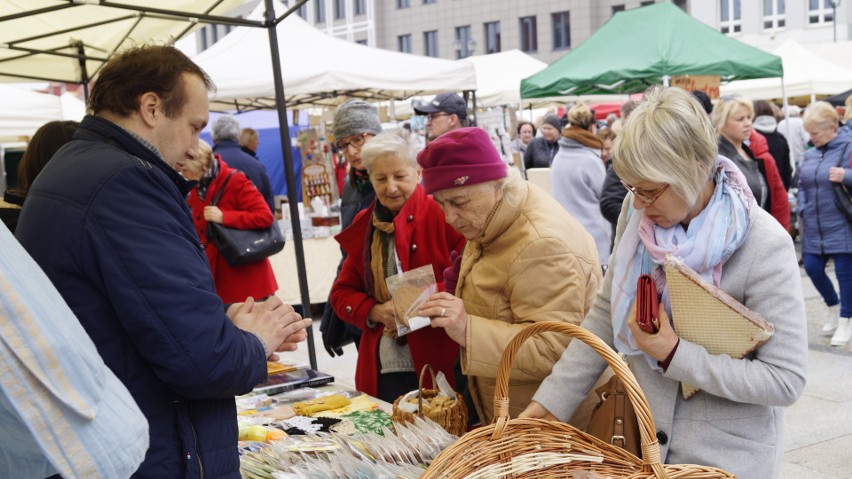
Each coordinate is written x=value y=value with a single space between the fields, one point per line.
x=388 y=145
x=724 y=110
x=247 y=135
x=581 y=116
x=821 y=115
x=202 y=162
x=670 y=140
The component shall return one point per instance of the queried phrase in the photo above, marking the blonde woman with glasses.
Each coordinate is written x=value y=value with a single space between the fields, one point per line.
x=686 y=200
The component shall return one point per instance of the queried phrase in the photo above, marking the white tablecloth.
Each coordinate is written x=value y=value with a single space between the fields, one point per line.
x=322 y=255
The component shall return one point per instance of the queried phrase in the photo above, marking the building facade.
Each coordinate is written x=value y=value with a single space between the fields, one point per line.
x=545 y=29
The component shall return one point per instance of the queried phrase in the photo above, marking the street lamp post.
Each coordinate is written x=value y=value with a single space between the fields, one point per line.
x=834 y=4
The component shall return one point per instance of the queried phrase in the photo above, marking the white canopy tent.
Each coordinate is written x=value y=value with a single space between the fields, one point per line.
x=22 y=112
x=69 y=41
x=805 y=74
x=499 y=75
x=319 y=69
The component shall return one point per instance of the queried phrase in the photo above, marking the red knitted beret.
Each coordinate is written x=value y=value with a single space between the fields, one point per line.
x=460 y=158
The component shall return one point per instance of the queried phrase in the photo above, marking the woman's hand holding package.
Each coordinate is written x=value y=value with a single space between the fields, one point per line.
x=447 y=311
x=213 y=214
x=382 y=313
x=659 y=344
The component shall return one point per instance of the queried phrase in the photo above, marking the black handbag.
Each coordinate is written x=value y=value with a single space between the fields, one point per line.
x=240 y=246
x=842 y=193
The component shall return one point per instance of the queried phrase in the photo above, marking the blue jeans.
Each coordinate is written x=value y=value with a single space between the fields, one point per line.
x=815 y=267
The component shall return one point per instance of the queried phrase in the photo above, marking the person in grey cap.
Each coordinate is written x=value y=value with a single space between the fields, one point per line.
x=541 y=150
x=446 y=112
x=355 y=123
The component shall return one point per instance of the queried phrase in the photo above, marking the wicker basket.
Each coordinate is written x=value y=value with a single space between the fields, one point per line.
x=453 y=420
x=536 y=448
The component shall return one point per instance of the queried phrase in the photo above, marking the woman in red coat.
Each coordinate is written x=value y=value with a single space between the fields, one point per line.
x=241 y=206
x=402 y=230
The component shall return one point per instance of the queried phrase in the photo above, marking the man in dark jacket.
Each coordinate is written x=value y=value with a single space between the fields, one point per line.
x=226 y=136
x=108 y=222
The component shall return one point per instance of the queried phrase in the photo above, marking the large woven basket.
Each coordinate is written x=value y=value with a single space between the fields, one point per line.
x=537 y=448
x=453 y=420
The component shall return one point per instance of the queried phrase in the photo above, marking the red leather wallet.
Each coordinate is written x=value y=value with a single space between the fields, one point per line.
x=647 y=304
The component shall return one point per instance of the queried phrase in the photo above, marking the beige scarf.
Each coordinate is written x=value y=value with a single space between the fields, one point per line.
x=382 y=262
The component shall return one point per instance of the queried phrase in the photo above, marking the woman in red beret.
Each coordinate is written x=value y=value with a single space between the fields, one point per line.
x=526 y=260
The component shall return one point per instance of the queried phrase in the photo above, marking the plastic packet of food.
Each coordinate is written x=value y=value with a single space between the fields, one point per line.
x=409 y=290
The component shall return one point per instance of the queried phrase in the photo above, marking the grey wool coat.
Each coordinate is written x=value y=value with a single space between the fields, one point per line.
x=736 y=421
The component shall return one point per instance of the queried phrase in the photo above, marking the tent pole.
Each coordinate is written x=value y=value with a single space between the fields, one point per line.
x=473 y=92
x=284 y=131
x=84 y=73
x=786 y=105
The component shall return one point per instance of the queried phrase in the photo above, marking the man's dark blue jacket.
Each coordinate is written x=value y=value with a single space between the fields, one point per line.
x=108 y=222
x=236 y=158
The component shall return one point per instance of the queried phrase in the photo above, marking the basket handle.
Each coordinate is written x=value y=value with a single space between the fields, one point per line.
x=650 y=446
x=420 y=387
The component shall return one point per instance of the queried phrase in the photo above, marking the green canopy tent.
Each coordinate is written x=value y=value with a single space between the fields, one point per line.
x=646 y=46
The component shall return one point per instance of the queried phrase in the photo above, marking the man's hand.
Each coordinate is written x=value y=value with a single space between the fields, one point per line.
x=277 y=325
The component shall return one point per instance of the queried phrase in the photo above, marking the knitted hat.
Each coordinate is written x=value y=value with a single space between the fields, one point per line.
x=450 y=103
x=553 y=120
x=460 y=157
x=355 y=117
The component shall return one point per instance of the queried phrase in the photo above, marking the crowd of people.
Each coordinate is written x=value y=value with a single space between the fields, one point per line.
x=176 y=331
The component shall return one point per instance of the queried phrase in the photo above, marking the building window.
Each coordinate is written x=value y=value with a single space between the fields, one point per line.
x=319 y=11
x=561 y=30
x=819 y=11
x=403 y=3
x=360 y=7
x=774 y=15
x=492 y=37
x=731 y=17
x=645 y=4
x=617 y=8
x=303 y=11
x=529 y=34
x=681 y=4
x=339 y=9
x=430 y=43
x=429 y=1
x=404 y=43
x=464 y=42
x=363 y=41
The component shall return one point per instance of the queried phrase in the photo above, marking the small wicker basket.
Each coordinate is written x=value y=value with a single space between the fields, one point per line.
x=453 y=419
x=537 y=448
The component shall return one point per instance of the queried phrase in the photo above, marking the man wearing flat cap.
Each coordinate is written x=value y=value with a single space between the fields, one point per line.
x=446 y=112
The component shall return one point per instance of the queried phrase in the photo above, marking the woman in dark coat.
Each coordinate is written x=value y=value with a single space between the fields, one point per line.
x=542 y=149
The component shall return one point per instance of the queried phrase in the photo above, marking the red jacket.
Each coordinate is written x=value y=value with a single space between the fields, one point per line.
x=422 y=237
x=242 y=207
x=780 y=205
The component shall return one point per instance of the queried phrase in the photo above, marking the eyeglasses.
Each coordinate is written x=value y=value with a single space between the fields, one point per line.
x=357 y=142
x=432 y=116
x=648 y=200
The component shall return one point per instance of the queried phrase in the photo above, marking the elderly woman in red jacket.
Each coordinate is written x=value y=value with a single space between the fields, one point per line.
x=241 y=206
x=402 y=230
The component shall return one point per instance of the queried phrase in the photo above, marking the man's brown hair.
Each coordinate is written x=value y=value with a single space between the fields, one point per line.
x=142 y=69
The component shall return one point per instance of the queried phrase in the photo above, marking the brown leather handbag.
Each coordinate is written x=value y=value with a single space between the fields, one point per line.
x=614 y=420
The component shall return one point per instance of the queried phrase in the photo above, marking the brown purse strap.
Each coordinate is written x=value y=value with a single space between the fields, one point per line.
x=619 y=417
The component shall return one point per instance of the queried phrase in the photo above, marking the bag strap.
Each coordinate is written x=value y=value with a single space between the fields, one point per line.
x=222 y=189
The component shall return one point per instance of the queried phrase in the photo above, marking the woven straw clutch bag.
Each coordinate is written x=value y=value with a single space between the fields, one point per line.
x=704 y=314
